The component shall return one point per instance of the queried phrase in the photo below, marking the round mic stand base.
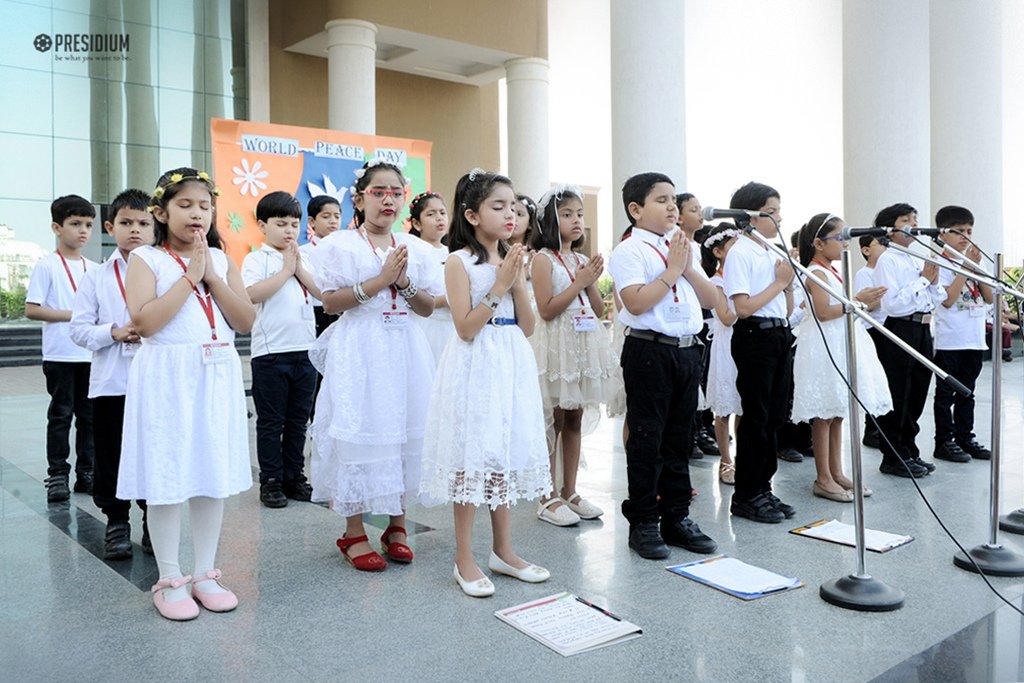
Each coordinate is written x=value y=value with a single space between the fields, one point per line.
x=861 y=593
x=1013 y=522
x=994 y=560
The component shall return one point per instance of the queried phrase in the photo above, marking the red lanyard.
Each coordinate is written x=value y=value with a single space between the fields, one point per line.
x=206 y=305
x=972 y=287
x=829 y=266
x=664 y=259
x=305 y=292
x=571 y=278
x=74 y=288
x=120 y=283
x=394 y=290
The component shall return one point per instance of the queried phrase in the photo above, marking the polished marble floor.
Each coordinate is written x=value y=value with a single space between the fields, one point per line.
x=65 y=614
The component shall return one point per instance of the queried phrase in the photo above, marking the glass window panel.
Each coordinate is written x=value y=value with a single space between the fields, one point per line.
x=143 y=56
x=137 y=11
x=142 y=166
x=180 y=65
x=218 y=19
x=218 y=67
x=176 y=115
x=33 y=113
x=80 y=108
x=68 y=61
x=22 y=23
x=181 y=15
x=31 y=177
x=30 y=221
x=73 y=168
x=174 y=158
x=140 y=115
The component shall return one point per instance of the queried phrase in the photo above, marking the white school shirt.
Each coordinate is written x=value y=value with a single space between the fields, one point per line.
x=864 y=278
x=306 y=252
x=99 y=308
x=281 y=325
x=50 y=286
x=962 y=325
x=750 y=269
x=634 y=262
x=908 y=291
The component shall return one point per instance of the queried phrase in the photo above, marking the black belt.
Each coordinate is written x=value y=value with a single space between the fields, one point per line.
x=921 y=318
x=683 y=342
x=762 y=323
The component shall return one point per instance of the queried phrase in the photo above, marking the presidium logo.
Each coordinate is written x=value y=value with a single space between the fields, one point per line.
x=80 y=47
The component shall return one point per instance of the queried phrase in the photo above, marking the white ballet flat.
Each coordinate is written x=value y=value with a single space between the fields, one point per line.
x=562 y=516
x=481 y=588
x=583 y=507
x=530 y=573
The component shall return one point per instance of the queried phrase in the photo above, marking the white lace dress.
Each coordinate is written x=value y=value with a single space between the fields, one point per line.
x=371 y=409
x=186 y=432
x=438 y=328
x=485 y=441
x=818 y=391
x=722 y=397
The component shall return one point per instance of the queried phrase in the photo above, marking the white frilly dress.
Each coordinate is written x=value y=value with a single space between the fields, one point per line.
x=186 y=430
x=371 y=410
x=818 y=392
x=722 y=397
x=485 y=442
x=438 y=328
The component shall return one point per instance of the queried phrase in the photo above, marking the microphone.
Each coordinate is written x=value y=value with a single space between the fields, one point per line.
x=849 y=233
x=933 y=232
x=710 y=213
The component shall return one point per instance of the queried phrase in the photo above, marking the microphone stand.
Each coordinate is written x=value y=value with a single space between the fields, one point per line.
x=992 y=557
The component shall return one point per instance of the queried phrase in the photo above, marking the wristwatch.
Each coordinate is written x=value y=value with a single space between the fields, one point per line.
x=491 y=301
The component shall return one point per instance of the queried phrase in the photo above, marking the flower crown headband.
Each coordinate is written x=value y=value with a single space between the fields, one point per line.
x=176 y=178
x=376 y=161
x=556 y=193
x=723 y=236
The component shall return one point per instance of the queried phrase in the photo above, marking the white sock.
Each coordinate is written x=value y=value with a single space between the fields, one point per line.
x=206 y=515
x=165 y=533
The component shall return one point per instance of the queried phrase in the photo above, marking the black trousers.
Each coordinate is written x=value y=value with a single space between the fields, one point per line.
x=869 y=424
x=954 y=414
x=108 y=422
x=661 y=399
x=908 y=384
x=68 y=387
x=764 y=376
x=323 y=321
x=282 y=391
x=793 y=435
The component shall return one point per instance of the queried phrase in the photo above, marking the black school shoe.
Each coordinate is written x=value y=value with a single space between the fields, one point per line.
x=57 y=490
x=950 y=451
x=929 y=466
x=83 y=483
x=975 y=449
x=788 y=510
x=298 y=489
x=896 y=467
x=684 y=533
x=646 y=540
x=706 y=442
x=790 y=455
x=758 y=509
x=271 y=494
x=871 y=440
x=147 y=544
x=117 y=543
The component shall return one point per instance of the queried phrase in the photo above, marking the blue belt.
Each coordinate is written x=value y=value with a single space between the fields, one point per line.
x=502 y=321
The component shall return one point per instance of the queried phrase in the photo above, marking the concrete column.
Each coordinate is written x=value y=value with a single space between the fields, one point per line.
x=966 y=100
x=528 y=135
x=351 y=76
x=647 y=84
x=886 y=141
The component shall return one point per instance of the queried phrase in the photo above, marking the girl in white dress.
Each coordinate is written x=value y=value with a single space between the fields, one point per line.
x=573 y=351
x=186 y=434
x=722 y=397
x=428 y=220
x=820 y=395
x=485 y=441
x=371 y=410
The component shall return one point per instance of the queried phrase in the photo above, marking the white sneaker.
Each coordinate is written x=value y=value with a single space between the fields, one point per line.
x=583 y=507
x=561 y=516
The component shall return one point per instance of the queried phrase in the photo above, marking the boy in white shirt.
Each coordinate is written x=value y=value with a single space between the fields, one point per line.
x=283 y=379
x=959 y=342
x=100 y=323
x=662 y=289
x=871 y=248
x=51 y=292
x=323 y=217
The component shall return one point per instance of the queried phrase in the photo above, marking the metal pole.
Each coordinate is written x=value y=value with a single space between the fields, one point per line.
x=855 y=455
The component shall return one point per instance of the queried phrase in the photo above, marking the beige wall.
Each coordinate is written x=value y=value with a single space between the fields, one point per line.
x=298 y=83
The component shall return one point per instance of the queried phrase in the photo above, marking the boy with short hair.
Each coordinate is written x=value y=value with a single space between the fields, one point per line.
x=283 y=379
x=871 y=248
x=959 y=342
x=323 y=217
x=100 y=323
x=50 y=296
x=912 y=294
x=760 y=282
x=662 y=287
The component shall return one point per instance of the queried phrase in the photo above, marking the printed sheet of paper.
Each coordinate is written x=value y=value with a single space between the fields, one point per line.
x=837 y=532
x=567 y=625
x=739 y=577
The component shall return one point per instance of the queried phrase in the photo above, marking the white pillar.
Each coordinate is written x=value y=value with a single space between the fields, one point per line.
x=647 y=83
x=886 y=143
x=351 y=76
x=528 y=136
x=966 y=98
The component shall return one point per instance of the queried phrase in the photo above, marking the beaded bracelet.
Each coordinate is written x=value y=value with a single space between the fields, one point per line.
x=409 y=292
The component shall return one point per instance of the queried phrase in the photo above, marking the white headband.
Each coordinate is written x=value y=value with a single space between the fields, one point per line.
x=723 y=236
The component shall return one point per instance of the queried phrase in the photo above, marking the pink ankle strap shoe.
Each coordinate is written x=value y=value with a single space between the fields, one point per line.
x=179 y=610
x=215 y=602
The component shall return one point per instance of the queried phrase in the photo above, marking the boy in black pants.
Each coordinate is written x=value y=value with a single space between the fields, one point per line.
x=101 y=324
x=662 y=287
x=759 y=282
